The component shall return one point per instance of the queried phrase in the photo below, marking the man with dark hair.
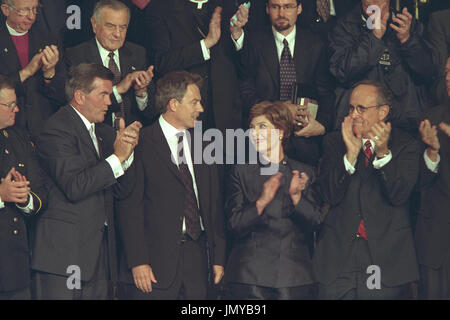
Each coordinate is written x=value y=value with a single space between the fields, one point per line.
x=32 y=58
x=375 y=42
x=365 y=249
x=433 y=224
x=133 y=89
x=22 y=196
x=172 y=225
x=86 y=161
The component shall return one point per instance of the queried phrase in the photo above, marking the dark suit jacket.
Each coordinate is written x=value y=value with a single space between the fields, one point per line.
x=175 y=43
x=273 y=249
x=433 y=224
x=150 y=220
x=259 y=70
x=380 y=198
x=439 y=35
x=70 y=231
x=17 y=151
x=132 y=58
x=37 y=101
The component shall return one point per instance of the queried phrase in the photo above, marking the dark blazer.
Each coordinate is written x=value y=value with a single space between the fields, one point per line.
x=273 y=249
x=132 y=58
x=175 y=42
x=37 y=101
x=16 y=150
x=70 y=231
x=433 y=224
x=380 y=198
x=150 y=220
x=260 y=75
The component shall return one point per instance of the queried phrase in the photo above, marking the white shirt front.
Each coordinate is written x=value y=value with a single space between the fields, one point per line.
x=279 y=41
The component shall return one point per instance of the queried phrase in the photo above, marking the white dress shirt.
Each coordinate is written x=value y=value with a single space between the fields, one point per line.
x=377 y=163
x=279 y=41
x=170 y=133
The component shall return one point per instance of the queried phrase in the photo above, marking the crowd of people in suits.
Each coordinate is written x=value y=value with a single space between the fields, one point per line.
x=102 y=195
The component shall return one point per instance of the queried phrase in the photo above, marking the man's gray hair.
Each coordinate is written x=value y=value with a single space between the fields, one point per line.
x=112 y=4
x=9 y=2
x=384 y=95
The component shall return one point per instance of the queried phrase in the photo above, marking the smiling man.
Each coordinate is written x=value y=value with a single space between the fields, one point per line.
x=86 y=161
x=173 y=219
x=368 y=172
x=32 y=58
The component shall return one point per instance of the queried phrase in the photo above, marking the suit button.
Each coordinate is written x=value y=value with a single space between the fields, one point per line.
x=16 y=232
x=16 y=219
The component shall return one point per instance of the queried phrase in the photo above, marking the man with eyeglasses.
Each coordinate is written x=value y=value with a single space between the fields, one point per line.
x=272 y=62
x=375 y=42
x=22 y=197
x=365 y=249
x=32 y=58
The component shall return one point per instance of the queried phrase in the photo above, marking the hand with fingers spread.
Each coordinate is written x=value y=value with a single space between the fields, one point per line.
x=298 y=184
x=125 y=84
x=380 y=133
x=445 y=127
x=311 y=127
x=143 y=277
x=379 y=32
x=270 y=188
x=14 y=191
x=142 y=81
x=214 y=29
x=126 y=140
x=50 y=58
x=404 y=21
x=353 y=142
x=430 y=138
x=237 y=25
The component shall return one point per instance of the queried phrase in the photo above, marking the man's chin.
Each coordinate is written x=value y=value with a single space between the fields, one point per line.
x=282 y=27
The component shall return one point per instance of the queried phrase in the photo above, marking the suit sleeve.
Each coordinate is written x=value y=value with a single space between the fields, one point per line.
x=58 y=150
x=242 y=215
x=399 y=176
x=219 y=252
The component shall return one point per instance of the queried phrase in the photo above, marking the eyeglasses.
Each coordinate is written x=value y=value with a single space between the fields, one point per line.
x=12 y=106
x=25 y=11
x=287 y=7
x=361 y=109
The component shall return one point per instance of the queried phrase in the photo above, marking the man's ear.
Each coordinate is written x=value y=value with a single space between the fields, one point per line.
x=79 y=97
x=299 y=9
x=173 y=104
x=5 y=10
x=383 y=112
x=94 y=25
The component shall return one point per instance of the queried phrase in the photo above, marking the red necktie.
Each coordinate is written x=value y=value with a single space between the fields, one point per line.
x=141 y=4
x=368 y=154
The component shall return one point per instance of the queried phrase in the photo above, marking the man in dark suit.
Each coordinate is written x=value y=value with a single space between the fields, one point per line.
x=171 y=225
x=133 y=91
x=274 y=60
x=439 y=35
x=433 y=224
x=22 y=196
x=33 y=59
x=365 y=249
x=86 y=160
x=195 y=37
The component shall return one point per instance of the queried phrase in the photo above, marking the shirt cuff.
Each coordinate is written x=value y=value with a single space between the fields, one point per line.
x=117 y=94
x=142 y=102
x=380 y=163
x=116 y=166
x=205 y=50
x=350 y=168
x=239 y=43
x=127 y=163
x=432 y=166
x=30 y=206
x=2 y=204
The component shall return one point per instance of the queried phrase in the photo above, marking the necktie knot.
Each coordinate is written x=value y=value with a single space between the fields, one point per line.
x=368 y=144
x=286 y=43
x=111 y=55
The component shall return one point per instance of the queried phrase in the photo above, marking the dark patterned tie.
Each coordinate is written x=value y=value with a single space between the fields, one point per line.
x=323 y=9
x=117 y=77
x=368 y=157
x=191 y=213
x=288 y=75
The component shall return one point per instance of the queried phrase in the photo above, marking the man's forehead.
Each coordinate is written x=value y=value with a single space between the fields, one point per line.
x=25 y=3
x=363 y=94
x=107 y=14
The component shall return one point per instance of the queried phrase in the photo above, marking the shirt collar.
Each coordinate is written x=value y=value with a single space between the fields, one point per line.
x=86 y=122
x=279 y=37
x=169 y=131
x=14 y=32
x=104 y=53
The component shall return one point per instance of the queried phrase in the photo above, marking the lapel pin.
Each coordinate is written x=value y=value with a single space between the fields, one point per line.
x=5 y=133
x=21 y=165
x=133 y=68
x=6 y=49
x=6 y=151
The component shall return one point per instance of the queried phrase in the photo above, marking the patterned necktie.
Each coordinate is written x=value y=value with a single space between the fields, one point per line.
x=368 y=157
x=112 y=65
x=288 y=75
x=323 y=9
x=191 y=212
x=94 y=138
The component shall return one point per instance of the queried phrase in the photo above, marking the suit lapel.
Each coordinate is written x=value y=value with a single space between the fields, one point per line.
x=270 y=57
x=93 y=53
x=8 y=50
x=125 y=61
x=301 y=55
